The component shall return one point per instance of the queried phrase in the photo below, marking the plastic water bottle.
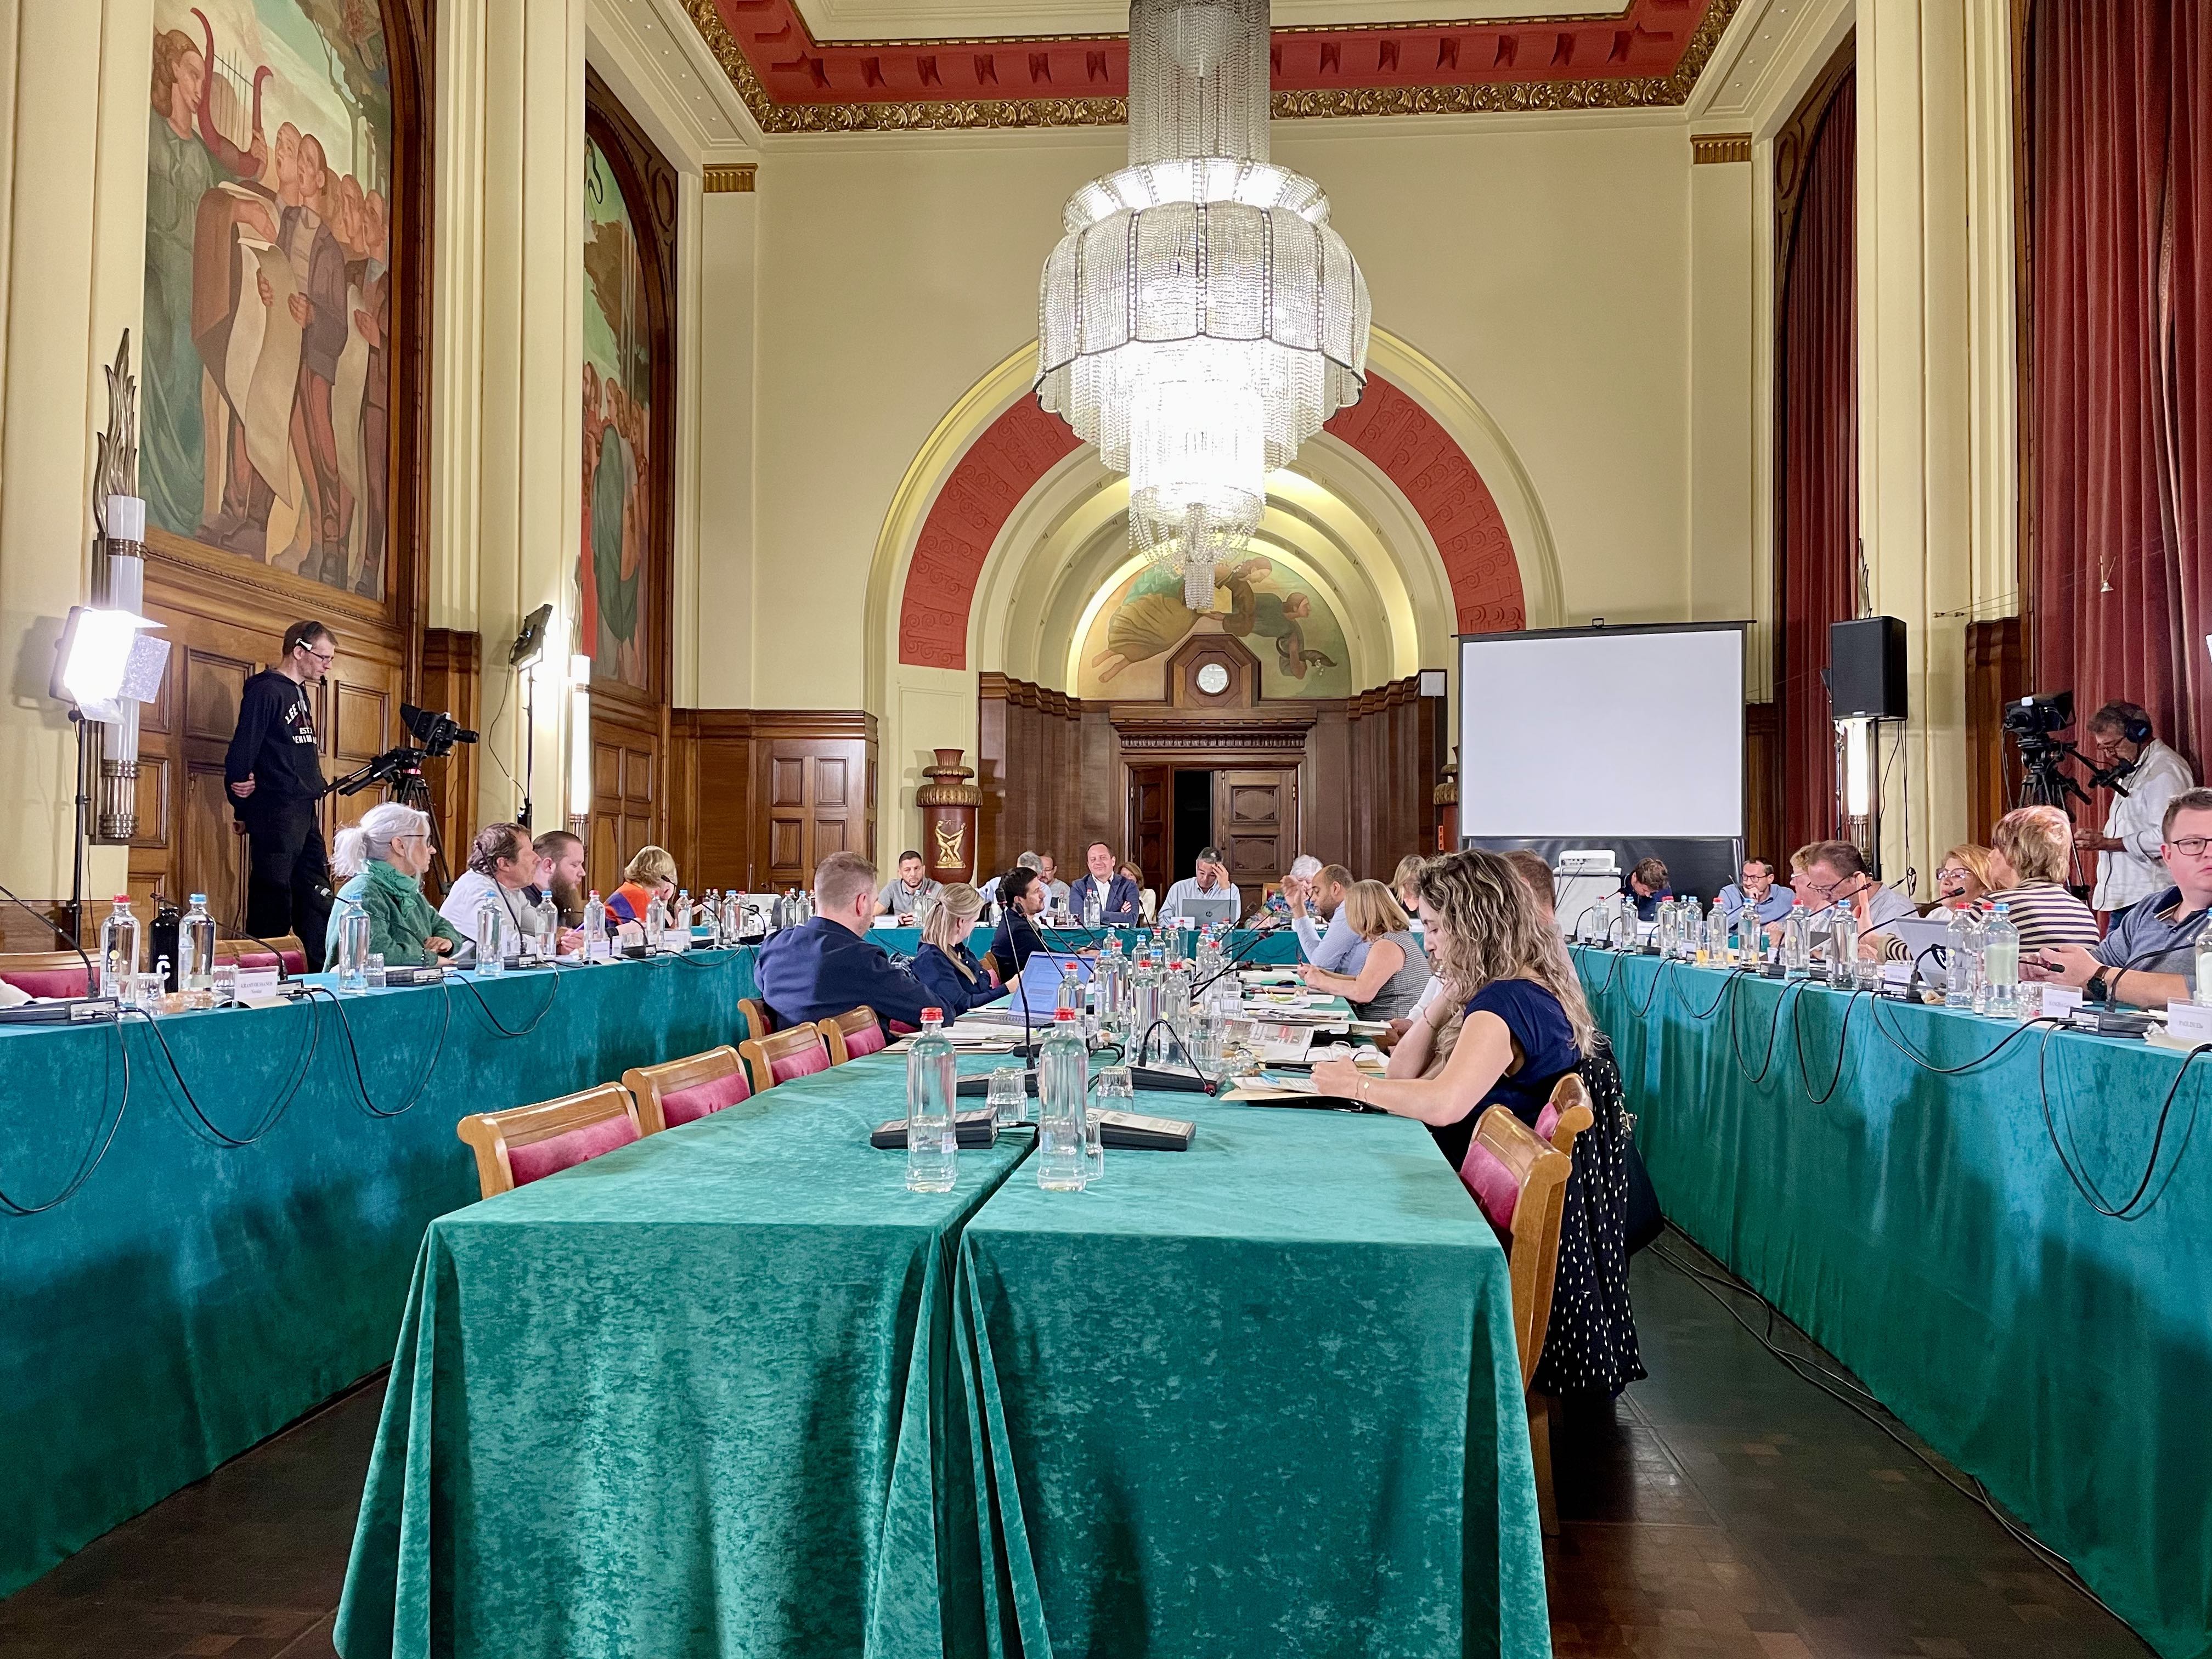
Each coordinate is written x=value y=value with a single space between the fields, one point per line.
x=656 y=923
x=1962 y=957
x=1797 y=940
x=491 y=937
x=1843 y=945
x=354 y=935
x=2001 y=964
x=1145 y=994
x=595 y=947
x=1663 y=927
x=1174 y=1000
x=1071 y=991
x=732 y=921
x=1750 y=937
x=118 y=954
x=2203 y=997
x=1094 y=907
x=1109 y=978
x=196 y=954
x=1716 y=936
x=933 y=1146
x=1063 y=1080
x=1690 y=922
x=679 y=919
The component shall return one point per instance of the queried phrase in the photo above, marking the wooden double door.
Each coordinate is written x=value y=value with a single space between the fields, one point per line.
x=1252 y=816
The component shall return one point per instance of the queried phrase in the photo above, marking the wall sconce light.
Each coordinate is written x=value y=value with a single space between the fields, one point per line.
x=580 y=740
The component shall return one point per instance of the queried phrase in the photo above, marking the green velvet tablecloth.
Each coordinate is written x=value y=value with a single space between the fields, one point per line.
x=195 y=1296
x=1259 y=1398
x=1923 y=1228
x=687 y=1399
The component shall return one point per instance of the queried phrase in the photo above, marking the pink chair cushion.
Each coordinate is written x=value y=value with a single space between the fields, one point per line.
x=809 y=1059
x=48 y=981
x=1493 y=1184
x=866 y=1040
x=690 y=1105
x=544 y=1158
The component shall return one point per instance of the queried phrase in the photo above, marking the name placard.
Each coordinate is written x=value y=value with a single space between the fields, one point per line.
x=255 y=982
x=2191 y=1022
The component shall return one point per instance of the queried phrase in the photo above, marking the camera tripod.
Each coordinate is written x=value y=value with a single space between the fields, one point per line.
x=2042 y=783
x=400 y=770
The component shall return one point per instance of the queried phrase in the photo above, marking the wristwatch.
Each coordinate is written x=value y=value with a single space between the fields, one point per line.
x=2098 y=989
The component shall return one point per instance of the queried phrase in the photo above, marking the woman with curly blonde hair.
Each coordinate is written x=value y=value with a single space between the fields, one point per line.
x=1524 y=1022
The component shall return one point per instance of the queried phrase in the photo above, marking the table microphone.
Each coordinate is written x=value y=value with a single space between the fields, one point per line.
x=91 y=979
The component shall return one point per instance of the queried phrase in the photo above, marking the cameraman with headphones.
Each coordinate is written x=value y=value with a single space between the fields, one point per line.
x=2129 y=867
x=274 y=775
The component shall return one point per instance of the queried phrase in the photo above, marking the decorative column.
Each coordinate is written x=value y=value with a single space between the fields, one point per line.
x=948 y=803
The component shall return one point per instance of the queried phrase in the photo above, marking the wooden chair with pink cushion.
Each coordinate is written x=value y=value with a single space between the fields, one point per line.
x=252 y=953
x=528 y=1143
x=781 y=1055
x=852 y=1034
x=45 y=972
x=754 y=1012
x=680 y=1092
x=1519 y=1178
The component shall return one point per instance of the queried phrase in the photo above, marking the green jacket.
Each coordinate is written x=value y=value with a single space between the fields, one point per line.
x=399 y=917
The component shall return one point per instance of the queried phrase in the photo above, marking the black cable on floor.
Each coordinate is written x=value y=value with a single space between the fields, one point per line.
x=1856 y=1396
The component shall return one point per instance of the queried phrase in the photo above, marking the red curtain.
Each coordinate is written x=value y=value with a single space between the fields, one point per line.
x=2120 y=298
x=1818 y=414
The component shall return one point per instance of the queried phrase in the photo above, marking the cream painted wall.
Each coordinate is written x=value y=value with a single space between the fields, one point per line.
x=1546 y=265
x=725 y=379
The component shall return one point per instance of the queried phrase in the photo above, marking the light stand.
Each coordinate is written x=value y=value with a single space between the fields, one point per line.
x=105 y=665
x=527 y=652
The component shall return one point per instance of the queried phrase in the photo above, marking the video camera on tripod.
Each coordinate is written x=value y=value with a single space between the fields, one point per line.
x=2034 y=723
x=401 y=768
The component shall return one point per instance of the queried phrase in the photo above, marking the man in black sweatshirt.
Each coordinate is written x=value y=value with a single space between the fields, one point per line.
x=275 y=777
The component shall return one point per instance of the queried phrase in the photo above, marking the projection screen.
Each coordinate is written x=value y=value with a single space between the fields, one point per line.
x=1605 y=732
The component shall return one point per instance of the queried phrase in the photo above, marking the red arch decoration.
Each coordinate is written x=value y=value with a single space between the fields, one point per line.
x=1389 y=427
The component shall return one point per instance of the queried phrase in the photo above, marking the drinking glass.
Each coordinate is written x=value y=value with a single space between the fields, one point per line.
x=1009 y=1096
x=224 y=986
x=372 y=971
x=1115 y=1093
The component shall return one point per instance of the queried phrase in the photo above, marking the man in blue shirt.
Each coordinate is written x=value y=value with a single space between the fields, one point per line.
x=1647 y=886
x=2150 y=957
x=1757 y=892
x=827 y=965
x=1338 y=948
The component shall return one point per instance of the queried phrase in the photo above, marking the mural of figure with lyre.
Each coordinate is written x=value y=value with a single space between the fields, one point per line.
x=266 y=419
x=611 y=570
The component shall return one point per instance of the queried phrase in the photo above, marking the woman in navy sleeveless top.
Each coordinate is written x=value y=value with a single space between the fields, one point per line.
x=945 y=966
x=1525 y=1024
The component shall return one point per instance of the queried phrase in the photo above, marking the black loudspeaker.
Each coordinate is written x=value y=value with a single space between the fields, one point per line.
x=1865 y=669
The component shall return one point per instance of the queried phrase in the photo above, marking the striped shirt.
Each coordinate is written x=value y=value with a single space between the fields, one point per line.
x=2046 y=913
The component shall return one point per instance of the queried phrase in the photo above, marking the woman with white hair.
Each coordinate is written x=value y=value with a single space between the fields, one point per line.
x=383 y=858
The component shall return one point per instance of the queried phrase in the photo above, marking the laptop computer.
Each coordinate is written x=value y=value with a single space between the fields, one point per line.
x=1038 y=988
x=1208 y=910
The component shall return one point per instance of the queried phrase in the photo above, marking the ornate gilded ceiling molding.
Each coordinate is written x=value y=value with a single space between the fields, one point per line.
x=1482 y=97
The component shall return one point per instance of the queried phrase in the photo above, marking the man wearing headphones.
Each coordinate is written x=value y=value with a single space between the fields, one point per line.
x=2129 y=868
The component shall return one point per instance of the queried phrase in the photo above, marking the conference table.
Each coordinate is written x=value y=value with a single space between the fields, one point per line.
x=2004 y=1231
x=735 y=1389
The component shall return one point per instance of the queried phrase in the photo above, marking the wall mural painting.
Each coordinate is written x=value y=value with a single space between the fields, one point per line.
x=611 y=566
x=266 y=410
x=1281 y=616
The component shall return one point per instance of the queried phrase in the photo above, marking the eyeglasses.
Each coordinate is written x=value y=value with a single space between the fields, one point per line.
x=325 y=658
x=1955 y=872
x=2190 y=847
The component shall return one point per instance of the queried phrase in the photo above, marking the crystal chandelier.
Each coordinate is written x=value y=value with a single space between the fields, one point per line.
x=1200 y=320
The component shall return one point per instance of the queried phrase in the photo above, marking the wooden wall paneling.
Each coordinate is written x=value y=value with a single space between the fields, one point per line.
x=1327 y=808
x=1762 y=787
x=1144 y=840
x=813 y=783
x=1997 y=673
x=452 y=683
